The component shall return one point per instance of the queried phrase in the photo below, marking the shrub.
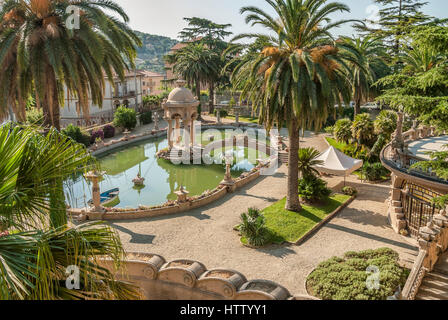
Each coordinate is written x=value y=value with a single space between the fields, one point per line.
x=252 y=227
x=374 y=171
x=223 y=113
x=386 y=123
x=109 y=131
x=312 y=189
x=146 y=117
x=363 y=130
x=75 y=133
x=35 y=116
x=329 y=129
x=97 y=134
x=125 y=118
x=343 y=130
x=349 y=191
x=347 y=278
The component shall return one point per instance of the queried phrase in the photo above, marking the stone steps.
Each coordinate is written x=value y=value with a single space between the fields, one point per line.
x=435 y=283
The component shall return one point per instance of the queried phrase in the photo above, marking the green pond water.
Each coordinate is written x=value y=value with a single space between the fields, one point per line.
x=162 y=178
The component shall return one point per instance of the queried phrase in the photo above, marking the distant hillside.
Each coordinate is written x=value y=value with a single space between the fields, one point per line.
x=150 y=55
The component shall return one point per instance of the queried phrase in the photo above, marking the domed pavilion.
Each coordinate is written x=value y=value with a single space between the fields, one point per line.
x=181 y=106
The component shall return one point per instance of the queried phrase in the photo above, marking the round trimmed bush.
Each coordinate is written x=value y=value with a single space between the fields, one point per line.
x=347 y=278
x=125 y=118
x=349 y=191
x=223 y=113
x=313 y=189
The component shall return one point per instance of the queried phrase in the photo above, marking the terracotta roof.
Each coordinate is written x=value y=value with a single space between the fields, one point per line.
x=149 y=74
x=181 y=45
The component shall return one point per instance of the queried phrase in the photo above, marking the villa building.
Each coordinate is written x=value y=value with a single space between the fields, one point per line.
x=128 y=93
x=152 y=82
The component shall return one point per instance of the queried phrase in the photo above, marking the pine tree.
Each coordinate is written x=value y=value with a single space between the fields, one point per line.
x=396 y=19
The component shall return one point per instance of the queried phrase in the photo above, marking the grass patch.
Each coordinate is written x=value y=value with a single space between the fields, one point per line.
x=334 y=143
x=283 y=225
x=244 y=119
x=362 y=176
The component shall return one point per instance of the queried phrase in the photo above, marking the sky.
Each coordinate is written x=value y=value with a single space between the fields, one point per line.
x=165 y=17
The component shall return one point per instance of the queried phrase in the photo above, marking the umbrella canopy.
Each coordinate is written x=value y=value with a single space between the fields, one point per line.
x=337 y=163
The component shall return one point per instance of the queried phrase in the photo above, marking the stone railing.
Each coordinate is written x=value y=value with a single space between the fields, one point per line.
x=185 y=279
x=433 y=242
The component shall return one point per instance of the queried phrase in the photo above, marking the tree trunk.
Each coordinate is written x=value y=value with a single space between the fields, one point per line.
x=357 y=106
x=198 y=94
x=292 y=197
x=211 y=93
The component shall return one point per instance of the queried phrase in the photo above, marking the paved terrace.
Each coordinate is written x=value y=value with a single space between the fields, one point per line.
x=206 y=234
x=419 y=148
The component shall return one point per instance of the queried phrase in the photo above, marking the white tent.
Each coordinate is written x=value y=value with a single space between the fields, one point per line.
x=337 y=163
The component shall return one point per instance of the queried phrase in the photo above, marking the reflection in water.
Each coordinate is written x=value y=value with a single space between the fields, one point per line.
x=162 y=178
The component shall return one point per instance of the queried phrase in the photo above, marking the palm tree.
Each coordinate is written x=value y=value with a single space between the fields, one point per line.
x=197 y=64
x=299 y=75
x=36 y=243
x=366 y=57
x=307 y=161
x=420 y=59
x=42 y=52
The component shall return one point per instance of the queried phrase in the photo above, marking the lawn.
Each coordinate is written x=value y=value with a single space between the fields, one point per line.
x=334 y=143
x=284 y=225
x=244 y=119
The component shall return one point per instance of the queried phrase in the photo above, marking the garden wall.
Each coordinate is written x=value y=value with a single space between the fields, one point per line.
x=185 y=279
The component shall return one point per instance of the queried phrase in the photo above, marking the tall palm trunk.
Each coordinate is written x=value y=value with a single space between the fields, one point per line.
x=50 y=103
x=357 y=106
x=198 y=94
x=211 y=102
x=292 y=198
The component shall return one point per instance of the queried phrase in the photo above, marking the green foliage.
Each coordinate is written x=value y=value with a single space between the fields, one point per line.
x=61 y=59
x=343 y=130
x=252 y=227
x=223 y=113
x=154 y=48
x=374 y=171
x=307 y=161
x=146 y=118
x=35 y=116
x=386 y=123
x=125 y=118
x=441 y=202
x=313 y=189
x=363 y=130
x=346 y=278
x=438 y=164
x=350 y=191
x=329 y=129
x=75 y=133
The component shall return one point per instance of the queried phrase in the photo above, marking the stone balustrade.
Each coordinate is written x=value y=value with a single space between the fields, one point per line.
x=433 y=242
x=184 y=279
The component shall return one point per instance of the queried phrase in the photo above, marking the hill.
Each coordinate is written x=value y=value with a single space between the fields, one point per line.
x=150 y=55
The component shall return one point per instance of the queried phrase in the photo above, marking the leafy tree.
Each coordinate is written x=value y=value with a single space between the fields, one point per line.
x=421 y=86
x=298 y=77
x=396 y=19
x=212 y=35
x=41 y=53
x=366 y=57
x=36 y=243
x=197 y=64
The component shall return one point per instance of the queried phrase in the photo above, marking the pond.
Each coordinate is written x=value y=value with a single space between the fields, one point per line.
x=162 y=178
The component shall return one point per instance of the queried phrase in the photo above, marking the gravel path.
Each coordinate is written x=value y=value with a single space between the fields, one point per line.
x=206 y=234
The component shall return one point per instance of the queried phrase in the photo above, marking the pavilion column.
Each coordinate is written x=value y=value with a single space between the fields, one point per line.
x=170 y=132
x=178 y=137
x=192 y=132
x=187 y=132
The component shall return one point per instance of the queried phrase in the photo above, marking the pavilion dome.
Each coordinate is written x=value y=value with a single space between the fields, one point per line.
x=181 y=95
